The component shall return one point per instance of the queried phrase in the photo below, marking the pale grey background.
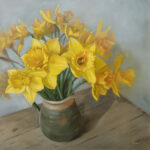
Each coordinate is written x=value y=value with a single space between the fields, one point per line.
x=130 y=20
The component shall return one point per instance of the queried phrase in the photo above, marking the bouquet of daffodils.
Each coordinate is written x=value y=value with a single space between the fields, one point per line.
x=64 y=54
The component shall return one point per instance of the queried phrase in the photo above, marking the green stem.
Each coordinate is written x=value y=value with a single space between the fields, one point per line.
x=62 y=80
x=59 y=92
x=67 y=74
x=70 y=84
x=47 y=93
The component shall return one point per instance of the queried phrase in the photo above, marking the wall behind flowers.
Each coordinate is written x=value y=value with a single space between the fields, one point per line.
x=130 y=21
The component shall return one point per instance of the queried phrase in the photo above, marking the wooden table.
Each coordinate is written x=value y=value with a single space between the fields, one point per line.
x=110 y=124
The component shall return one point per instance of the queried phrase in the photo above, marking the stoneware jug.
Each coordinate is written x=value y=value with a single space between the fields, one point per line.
x=60 y=120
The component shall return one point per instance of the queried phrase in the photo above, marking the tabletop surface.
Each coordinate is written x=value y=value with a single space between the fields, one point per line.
x=109 y=124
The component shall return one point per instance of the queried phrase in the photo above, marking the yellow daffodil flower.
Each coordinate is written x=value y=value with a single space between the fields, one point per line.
x=103 y=83
x=53 y=46
x=38 y=28
x=46 y=57
x=26 y=82
x=3 y=41
x=76 y=25
x=81 y=60
x=18 y=33
x=125 y=77
x=42 y=28
x=86 y=38
x=68 y=15
x=104 y=78
x=37 y=56
x=22 y=30
x=104 y=41
x=48 y=29
x=62 y=20
x=74 y=29
x=47 y=16
x=35 y=59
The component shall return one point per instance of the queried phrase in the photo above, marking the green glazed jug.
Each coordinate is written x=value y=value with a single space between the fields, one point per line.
x=60 y=120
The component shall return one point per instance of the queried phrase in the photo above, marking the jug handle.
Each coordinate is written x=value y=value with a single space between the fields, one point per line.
x=36 y=106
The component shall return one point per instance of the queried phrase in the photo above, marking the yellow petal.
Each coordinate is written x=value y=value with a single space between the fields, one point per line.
x=99 y=28
x=40 y=73
x=50 y=81
x=57 y=10
x=107 y=30
x=53 y=46
x=106 y=55
x=20 y=22
x=57 y=64
x=92 y=48
x=95 y=93
x=126 y=77
x=99 y=63
x=89 y=75
x=100 y=51
x=20 y=45
x=75 y=72
x=117 y=63
x=11 y=71
x=36 y=84
x=64 y=49
x=47 y=14
x=75 y=46
x=66 y=30
x=98 y=90
x=30 y=95
x=36 y=43
x=74 y=49
x=115 y=88
x=11 y=89
x=39 y=28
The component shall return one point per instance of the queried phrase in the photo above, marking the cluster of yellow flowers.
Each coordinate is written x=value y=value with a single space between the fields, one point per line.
x=60 y=42
x=14 y=33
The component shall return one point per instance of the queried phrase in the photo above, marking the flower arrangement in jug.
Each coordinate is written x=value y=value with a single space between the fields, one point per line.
x=64 y=54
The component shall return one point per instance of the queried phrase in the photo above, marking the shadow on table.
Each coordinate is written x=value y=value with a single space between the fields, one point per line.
x=92 y=110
